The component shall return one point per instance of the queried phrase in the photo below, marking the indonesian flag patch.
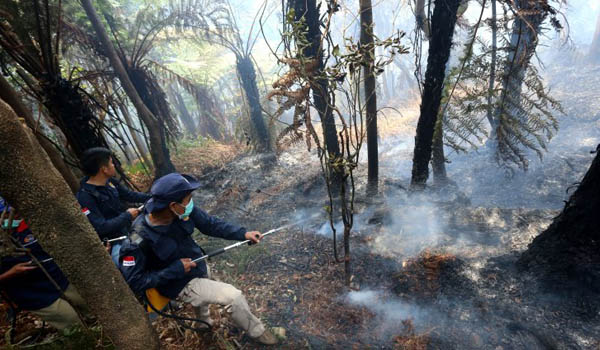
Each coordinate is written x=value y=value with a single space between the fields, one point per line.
x=129 y=261
x=86 y=211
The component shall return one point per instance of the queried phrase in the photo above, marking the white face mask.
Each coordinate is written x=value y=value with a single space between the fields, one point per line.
x=15 y=223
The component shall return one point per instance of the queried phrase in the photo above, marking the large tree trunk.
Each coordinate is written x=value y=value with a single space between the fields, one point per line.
x=158 y=148
x=366 y=40
x=247 y=74
x=35 y=188
x=594 y=53
x=442 y=30
x=569 y=249
x=321 y=98
x=10 y=96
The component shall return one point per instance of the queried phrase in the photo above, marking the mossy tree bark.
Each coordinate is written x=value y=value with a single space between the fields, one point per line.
x=442 y=30
x=567 y=253
x=33 y=186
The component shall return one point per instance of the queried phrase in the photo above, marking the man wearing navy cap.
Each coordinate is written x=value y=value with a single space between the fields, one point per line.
x=27 y=287
x=160 y=249
x=100 y=197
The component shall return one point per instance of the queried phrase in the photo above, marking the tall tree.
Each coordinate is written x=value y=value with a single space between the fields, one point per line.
x=569 y=249
x=247 y=73
x=442 y=30
x=216 y=23
x=366 y=40
x=494 y=53
x=307 y=12
x=158 y=143
x=28 y=179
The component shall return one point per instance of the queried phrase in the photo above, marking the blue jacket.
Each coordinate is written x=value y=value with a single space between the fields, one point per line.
x=150 y=257
x=102 y=206
x=31 y=290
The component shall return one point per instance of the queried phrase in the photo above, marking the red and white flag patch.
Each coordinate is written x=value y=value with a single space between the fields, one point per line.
x=129 y=261
x=86 y=211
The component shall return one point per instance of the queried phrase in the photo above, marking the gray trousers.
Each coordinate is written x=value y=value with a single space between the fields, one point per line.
x=61 y=314
x=201 y=292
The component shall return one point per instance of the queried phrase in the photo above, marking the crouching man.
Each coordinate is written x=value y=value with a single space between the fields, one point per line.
x=160 y=249
x=27 y=287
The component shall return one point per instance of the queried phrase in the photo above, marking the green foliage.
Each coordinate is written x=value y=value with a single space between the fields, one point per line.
x=137 y=168
x=187 y=143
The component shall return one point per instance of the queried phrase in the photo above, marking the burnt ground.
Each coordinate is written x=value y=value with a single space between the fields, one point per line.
x=430 y=272
x=455 y=286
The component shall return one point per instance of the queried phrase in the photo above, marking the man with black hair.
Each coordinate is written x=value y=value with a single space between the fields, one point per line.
x=159 y=251
x=100 y=196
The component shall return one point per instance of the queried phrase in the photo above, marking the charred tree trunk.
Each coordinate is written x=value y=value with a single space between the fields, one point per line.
x=594 y=53
x=442 y=30
x=155 y=99
x=247 y=74
x=321 y=98
x=490 y=98
x=438 y=163
x=184 y=113
x=10 y=96
x=158 y=148
x=28 y=179
x=366 y=40
x=568 y=251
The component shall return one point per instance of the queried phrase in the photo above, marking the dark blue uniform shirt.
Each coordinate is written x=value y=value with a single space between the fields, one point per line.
x=150 y=257
x=32 y=290
x=102 y=206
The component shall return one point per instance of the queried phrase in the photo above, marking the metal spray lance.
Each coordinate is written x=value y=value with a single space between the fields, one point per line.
x=249 y=242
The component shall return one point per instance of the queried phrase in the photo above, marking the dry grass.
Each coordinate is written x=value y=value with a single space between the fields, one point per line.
x=410 y=340
x=191 y=157
x=420 y=277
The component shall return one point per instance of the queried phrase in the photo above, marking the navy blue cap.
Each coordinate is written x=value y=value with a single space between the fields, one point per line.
x=170 y=188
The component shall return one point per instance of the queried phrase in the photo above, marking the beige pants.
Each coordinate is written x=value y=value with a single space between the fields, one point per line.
x=200 y=292
x=61 y=314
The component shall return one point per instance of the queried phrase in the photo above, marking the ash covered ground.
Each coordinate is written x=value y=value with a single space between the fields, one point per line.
x=434 y=271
